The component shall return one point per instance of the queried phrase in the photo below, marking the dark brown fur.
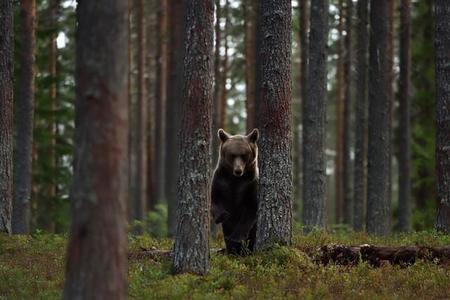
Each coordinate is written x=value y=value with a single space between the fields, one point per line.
x=234 y=188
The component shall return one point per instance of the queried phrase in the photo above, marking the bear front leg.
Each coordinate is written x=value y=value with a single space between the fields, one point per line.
x=245 y=224
x=219 y=213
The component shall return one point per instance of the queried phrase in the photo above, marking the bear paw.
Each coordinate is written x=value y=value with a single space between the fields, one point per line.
x=222 y=217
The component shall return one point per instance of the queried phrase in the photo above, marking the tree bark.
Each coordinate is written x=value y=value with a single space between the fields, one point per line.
x=359 y=179
x=303 y=37
x=224 y=68
x=340 y=88
x=140 y=191
x=250 y=61
x=174 y=94
x=24 y=120
x=191 y=249
x=378 y=205
x=6 y=113
x=346 y=122
x=161 y=100
x=314 y=114
x=442 y=44
x=96 y=258
x=273 y=83
x=404 y=138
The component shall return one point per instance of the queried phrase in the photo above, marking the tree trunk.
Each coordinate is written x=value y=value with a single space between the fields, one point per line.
x=24 y=120
x=216 y=114
x=273 y=83
x=191 y=249
x=224 y=69
x=390 y=91
x=52 y=185
x=314 y=175
x=140 y=192
x=359 y=179
x=304 y=25
x=404 y=155
x=378 y=208
x=346 y=121
x=6 y=113
x=340 y=87
x=174 y=95
x=96 y=258
x=161 y=100
x=250 y=62
x=442 y=44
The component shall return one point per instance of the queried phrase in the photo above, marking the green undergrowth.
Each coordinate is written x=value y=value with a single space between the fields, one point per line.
x=33 y=268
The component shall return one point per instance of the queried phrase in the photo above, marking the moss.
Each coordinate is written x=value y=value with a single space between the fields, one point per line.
x=33 y=268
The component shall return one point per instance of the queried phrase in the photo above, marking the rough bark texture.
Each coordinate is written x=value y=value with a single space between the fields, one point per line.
x=346 y=121
x=6 y=114
x=96 y=257
x=404 y=137
x=314 y=176
x=250 y=62
x=161 y=99
x=378 y=209
x=340 y=88
x=174 y=96
x=191 y=249
x=442 y=44
x=273 y=82
x=24 y=119
x=359 y=183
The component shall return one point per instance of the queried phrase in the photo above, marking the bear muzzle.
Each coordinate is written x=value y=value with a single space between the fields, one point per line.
x=238 y=167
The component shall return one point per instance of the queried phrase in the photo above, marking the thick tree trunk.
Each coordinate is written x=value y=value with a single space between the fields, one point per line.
x=161 y=100
x=96 y=257
x=442 y=44
x=24 y=120
x=191 y=249
x=273 y=83
x=314 y=114
x=346 y=121
x=404 y=138
x=340 y=88
x=250 y=61
x=6 y=113
x=359 y=179
x=378 y=205
x=174 y=95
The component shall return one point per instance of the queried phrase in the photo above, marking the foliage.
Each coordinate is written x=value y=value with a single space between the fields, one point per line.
x=32 y=268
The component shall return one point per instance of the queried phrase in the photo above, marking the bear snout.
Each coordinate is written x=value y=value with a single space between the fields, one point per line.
x=238 y=172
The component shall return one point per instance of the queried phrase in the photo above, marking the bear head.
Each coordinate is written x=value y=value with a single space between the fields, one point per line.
x=239 y=153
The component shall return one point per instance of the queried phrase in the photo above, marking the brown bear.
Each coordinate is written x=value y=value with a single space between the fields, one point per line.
x=234 y=190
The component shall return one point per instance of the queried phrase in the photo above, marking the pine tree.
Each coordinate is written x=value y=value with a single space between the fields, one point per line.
x=442 y=44
x=96 y=258
x=273 y=85
x=191 y=249
x=24 y=119
x=314 y=176
x=6 y=114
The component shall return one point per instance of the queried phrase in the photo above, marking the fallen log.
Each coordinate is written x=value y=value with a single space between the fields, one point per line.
x=380 y=255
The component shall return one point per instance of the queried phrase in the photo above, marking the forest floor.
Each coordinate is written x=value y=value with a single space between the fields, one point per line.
x=33 y=268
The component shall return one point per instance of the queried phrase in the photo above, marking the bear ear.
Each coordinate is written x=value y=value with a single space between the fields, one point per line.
x=253 y=136
x=223 y=135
